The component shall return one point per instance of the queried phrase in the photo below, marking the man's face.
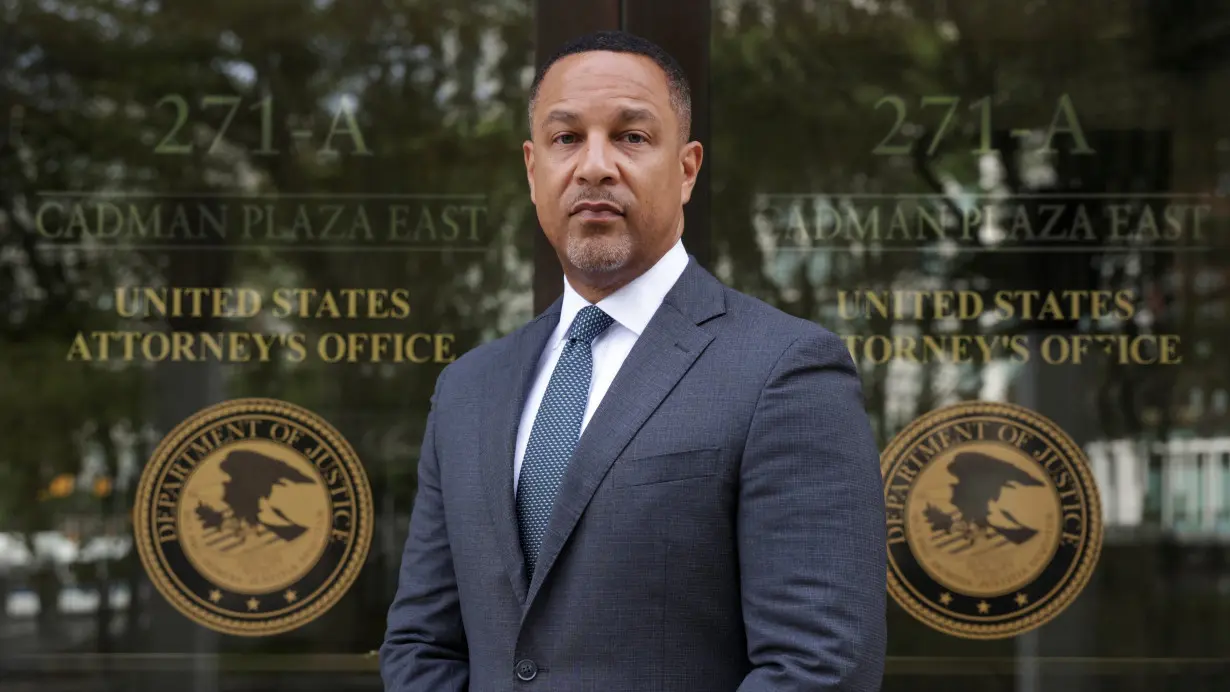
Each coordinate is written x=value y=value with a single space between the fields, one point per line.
x=608 y=170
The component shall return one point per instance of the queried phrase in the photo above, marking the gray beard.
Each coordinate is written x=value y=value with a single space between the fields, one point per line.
x=599 y=254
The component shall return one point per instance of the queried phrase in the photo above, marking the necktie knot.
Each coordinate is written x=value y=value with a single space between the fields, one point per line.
x=589 y=323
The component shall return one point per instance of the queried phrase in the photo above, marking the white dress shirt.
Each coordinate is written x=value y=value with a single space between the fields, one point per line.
x=632 y=306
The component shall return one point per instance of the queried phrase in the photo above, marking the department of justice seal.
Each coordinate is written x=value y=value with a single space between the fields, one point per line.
x=253 y=517
x=994 y=520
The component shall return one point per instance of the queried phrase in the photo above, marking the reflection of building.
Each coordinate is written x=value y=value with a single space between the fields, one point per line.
x=1180 y=487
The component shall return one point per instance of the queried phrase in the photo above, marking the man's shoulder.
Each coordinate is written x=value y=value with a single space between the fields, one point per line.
x=481 y=363
x=775 y=328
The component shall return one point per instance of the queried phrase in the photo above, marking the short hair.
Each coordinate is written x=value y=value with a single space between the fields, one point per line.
x=623 y=42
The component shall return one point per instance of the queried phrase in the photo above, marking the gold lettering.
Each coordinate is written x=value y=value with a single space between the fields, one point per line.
x=1069 y=494
x=401 y=303
x=398 y=220
x=969 y=431
x=164 y=526
x=895 y=498
x=327 y=306
x=1067 y=111
x=352 y=130
x=1007 y=433
x=1074 y=518
x=297 y=347
x=896 y=532
x=178 y=472
x=342 y=517
x=80 y=350
x=1118 y=219
x=1169 y=350
x=444 y=348
x=426 y=222
x=40 y=221
x=906 y=472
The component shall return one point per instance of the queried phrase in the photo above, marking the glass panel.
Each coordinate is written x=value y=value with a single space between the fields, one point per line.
x=201 y=202
x=1013 y=211
x=1223 y=506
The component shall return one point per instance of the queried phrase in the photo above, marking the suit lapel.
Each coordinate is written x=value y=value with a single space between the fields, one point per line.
x=505 y=401
x=671 y=342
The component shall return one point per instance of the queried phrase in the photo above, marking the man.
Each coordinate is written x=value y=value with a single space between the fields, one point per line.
x=658 y=484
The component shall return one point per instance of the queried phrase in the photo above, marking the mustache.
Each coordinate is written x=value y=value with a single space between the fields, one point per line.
x=596 y=195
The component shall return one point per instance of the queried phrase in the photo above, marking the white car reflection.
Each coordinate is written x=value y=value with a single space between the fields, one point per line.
x=58 y=551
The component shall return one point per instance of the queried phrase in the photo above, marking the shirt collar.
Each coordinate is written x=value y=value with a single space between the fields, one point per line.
x=634 y=304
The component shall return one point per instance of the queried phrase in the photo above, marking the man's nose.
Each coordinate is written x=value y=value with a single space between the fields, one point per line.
x=597 y=163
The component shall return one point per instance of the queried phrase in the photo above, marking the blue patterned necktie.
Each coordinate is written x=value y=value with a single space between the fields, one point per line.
x=557 y=427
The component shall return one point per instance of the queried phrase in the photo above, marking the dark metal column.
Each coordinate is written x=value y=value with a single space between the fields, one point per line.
x=681 y=27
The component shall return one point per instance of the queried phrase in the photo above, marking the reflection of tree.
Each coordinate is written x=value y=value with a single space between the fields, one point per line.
x=440 y=99
x=823 y=86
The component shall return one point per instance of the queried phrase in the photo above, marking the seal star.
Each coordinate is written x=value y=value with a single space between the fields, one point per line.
x=253 y=604
x=946 y=598
x=215 y=595
x=984 y=607
x=291 y=596
x=1022 y=599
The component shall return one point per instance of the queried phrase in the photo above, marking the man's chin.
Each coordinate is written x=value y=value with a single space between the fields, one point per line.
x=600 y=254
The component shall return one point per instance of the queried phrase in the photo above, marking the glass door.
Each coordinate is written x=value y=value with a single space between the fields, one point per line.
x=238 y=243
x=1015 y=216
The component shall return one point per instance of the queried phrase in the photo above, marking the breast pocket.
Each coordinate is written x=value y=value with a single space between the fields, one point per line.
x=666 y=467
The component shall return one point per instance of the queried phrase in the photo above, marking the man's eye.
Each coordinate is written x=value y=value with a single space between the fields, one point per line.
x=565 y=138
x=635 y=138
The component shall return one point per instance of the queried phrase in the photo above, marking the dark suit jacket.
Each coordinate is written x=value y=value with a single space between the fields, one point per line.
x=720 y=527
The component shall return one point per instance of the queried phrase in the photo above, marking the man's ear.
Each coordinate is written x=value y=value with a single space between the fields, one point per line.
x=527 y=148
x=689 y=159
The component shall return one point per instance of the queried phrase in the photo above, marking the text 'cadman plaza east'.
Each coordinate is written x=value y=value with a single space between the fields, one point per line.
x=322 y=220
x=1074 y=219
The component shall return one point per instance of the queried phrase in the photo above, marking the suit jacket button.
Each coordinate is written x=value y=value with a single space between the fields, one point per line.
x=526 y=669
